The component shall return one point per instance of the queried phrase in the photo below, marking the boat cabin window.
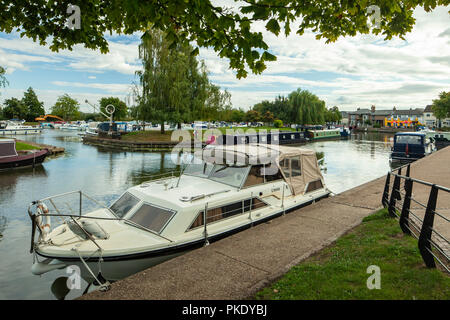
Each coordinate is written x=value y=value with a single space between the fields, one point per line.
x=314 y=185
x=272 y=173
x=229 y=210
x=255 y=176
x=231 y=175
x=296 y=167
x=408 y=139
x=152 y=217
x=125 y=203
x=284 y=165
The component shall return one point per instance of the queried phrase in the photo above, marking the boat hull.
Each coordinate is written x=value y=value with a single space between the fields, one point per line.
x=16 y=132
x=114 y=268
x=23 y=161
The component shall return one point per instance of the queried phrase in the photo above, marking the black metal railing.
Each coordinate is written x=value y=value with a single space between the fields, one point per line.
x=398 y=198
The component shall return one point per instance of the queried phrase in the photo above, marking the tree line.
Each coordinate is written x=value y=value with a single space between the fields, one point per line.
x=29 y=107
x=299 y=107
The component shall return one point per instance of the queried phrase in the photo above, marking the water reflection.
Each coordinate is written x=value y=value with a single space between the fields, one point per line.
x=105 y=174
x=3 y=223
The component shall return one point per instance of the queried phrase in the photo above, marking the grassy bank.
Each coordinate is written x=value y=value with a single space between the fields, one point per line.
x=339 y=271
x=20 y=146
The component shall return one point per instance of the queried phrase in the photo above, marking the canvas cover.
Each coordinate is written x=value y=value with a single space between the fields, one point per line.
x=246 y=154
x=7 y=148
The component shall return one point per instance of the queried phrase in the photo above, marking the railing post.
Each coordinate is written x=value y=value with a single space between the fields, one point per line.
x=427 y=229
x=204 y=223
x=404 y=224
x=251 y=204
x=385 y=198
x=81 y=203
x=407 y=174
x=395 y=195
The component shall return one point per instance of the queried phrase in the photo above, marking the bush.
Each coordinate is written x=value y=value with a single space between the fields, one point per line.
x=278 y=123
x=377 y=125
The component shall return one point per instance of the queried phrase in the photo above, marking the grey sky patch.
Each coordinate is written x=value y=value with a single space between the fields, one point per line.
x=441 y=60
x=406 y=89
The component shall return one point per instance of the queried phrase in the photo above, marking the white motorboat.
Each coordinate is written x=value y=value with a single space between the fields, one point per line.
x=9 y=128
x=70 y=127
x=229 y=187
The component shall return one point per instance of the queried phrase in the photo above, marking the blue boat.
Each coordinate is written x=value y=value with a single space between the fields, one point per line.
x=410 y=146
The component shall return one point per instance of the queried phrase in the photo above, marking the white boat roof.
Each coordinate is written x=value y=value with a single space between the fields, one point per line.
x=250 y=153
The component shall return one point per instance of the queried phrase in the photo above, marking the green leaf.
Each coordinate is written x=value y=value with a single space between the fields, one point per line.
x=273 y=26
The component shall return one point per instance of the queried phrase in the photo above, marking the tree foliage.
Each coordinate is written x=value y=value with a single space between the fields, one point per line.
x=441 y=106
x=14 y=109
x=300 y=107
x=174 y=86
x=3 y=81
x=66 y=108
x=35 y=108
x=28 y=108
x=121 y=110
x=227 y=30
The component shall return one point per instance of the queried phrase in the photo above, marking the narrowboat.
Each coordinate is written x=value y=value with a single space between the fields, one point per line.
x=11 y=159
x=318 y=132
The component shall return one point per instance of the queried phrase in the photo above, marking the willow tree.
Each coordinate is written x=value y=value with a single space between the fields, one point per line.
x=306 y=108
x=174 y=85
x=3 y=81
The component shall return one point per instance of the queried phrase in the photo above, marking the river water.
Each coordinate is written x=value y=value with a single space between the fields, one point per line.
x=105 y=174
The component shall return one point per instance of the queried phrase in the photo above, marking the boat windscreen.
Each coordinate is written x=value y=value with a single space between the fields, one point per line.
x=231 y=175
x=198 y=168
x=412 y=139
x=122 y=206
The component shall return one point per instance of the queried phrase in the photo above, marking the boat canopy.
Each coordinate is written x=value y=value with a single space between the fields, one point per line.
x=298 y=166
x=7 y=148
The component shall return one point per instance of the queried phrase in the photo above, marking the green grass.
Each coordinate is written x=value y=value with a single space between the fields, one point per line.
x=20 y=146
x=339 y=271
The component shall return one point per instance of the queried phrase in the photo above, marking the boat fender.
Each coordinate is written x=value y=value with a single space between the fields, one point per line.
x=39 y=268
x=43 y=220
x=94 y=229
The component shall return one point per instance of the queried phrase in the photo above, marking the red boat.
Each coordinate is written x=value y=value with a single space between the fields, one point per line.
x=11 y=159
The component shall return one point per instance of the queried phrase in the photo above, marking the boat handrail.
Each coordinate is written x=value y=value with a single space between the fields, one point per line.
x=33 y=217
x=172 y=174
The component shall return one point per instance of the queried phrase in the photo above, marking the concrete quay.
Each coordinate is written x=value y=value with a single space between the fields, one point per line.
x=242 y=264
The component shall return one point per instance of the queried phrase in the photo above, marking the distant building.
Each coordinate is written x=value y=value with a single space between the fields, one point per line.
x=431 y=121
x=389 y=117
x=344 y=120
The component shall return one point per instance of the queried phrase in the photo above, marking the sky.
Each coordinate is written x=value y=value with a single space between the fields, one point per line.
x=354 y=72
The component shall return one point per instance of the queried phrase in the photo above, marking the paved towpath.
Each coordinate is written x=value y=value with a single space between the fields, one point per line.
x=240 y=265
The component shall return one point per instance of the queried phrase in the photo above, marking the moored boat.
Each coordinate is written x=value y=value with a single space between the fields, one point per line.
x=9 y=128
x=410 y=146
x=318 y=132
x=223 y=190
x=11 y=159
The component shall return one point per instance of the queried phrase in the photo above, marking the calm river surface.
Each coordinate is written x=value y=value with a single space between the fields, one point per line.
x=105 y=174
